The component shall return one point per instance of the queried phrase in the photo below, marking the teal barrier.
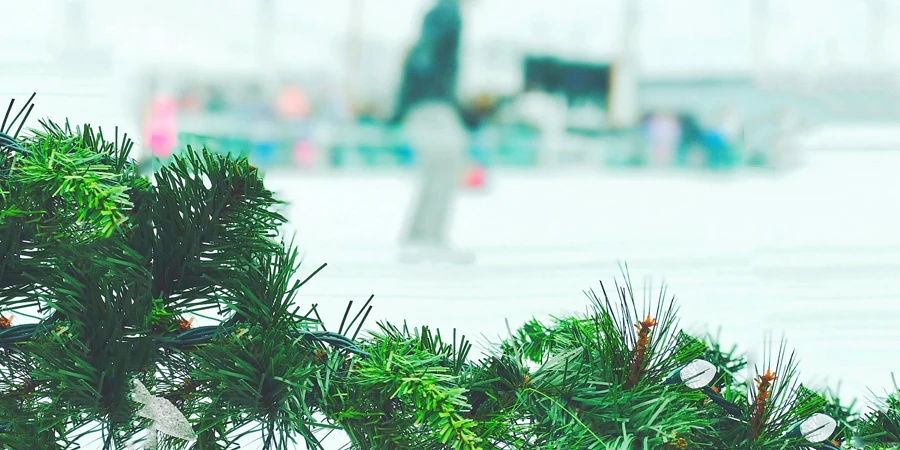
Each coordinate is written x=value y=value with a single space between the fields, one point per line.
x=371 y=146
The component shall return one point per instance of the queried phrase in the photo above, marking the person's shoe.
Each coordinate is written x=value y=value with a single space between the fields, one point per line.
x=411 y=255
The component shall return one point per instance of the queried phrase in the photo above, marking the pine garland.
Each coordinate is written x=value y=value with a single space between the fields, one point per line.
x=117 y=265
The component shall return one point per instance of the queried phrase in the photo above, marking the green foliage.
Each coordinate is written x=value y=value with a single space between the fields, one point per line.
x=406 y=395
x=67 y=197
x=882 y=426
x=728 y=364
x=115 y=264
x=845 y=415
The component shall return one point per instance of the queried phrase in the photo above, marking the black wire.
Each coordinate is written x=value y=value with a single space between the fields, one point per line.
x=729 y=407
x=8 y=143
x=18 y=333
x=10 y=146
x=335 y=340
x=203 y=335
x=194 y=336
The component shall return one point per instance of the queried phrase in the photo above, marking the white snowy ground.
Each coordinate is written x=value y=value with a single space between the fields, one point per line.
x=812 y=254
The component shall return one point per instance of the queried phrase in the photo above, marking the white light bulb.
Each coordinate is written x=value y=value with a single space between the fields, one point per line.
x=818 y=427
x=698 y=373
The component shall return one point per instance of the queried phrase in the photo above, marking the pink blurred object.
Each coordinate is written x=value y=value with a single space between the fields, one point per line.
x=292 y=102
x=162 y=126
x=304 y=154
x=476 y=177
x=164 y=106
x=162 y=143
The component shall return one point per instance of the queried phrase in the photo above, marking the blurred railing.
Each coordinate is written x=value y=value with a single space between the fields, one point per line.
x=323 y=144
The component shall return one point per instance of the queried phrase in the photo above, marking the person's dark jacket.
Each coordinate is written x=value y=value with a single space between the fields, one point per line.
x=431 y=67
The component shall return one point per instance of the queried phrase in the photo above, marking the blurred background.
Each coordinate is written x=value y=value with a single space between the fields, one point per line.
x=744 y=151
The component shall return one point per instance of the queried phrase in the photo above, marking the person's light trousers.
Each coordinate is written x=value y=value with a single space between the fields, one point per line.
x=440 y=140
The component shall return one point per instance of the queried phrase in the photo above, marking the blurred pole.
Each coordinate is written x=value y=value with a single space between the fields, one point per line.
x=759 y=31
x=354 y=53
x=76 y=30
x=266 y=37
x=877 y=14
x=623 y=106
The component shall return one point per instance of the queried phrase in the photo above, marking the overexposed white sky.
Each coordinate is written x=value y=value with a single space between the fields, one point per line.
x=688 y=37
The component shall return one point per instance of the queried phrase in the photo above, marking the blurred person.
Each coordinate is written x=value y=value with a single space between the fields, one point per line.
x=723 y=139
x=691 y=149
x=663 y=135
x=432 y=65
x=161 y=121
x=428 y=111
x=439 y=137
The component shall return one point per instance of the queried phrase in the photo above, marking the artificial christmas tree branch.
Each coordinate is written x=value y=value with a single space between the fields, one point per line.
x=102 y=271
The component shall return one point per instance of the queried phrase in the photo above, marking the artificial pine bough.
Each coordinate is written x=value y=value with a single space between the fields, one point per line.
x=103 y=270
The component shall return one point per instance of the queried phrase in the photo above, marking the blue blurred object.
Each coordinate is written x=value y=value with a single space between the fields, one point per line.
x=478 y=148
x=406 y=156
x=719 y=152
x=264 y=152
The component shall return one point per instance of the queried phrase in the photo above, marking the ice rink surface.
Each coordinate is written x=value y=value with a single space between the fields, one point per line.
x=811 y=254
